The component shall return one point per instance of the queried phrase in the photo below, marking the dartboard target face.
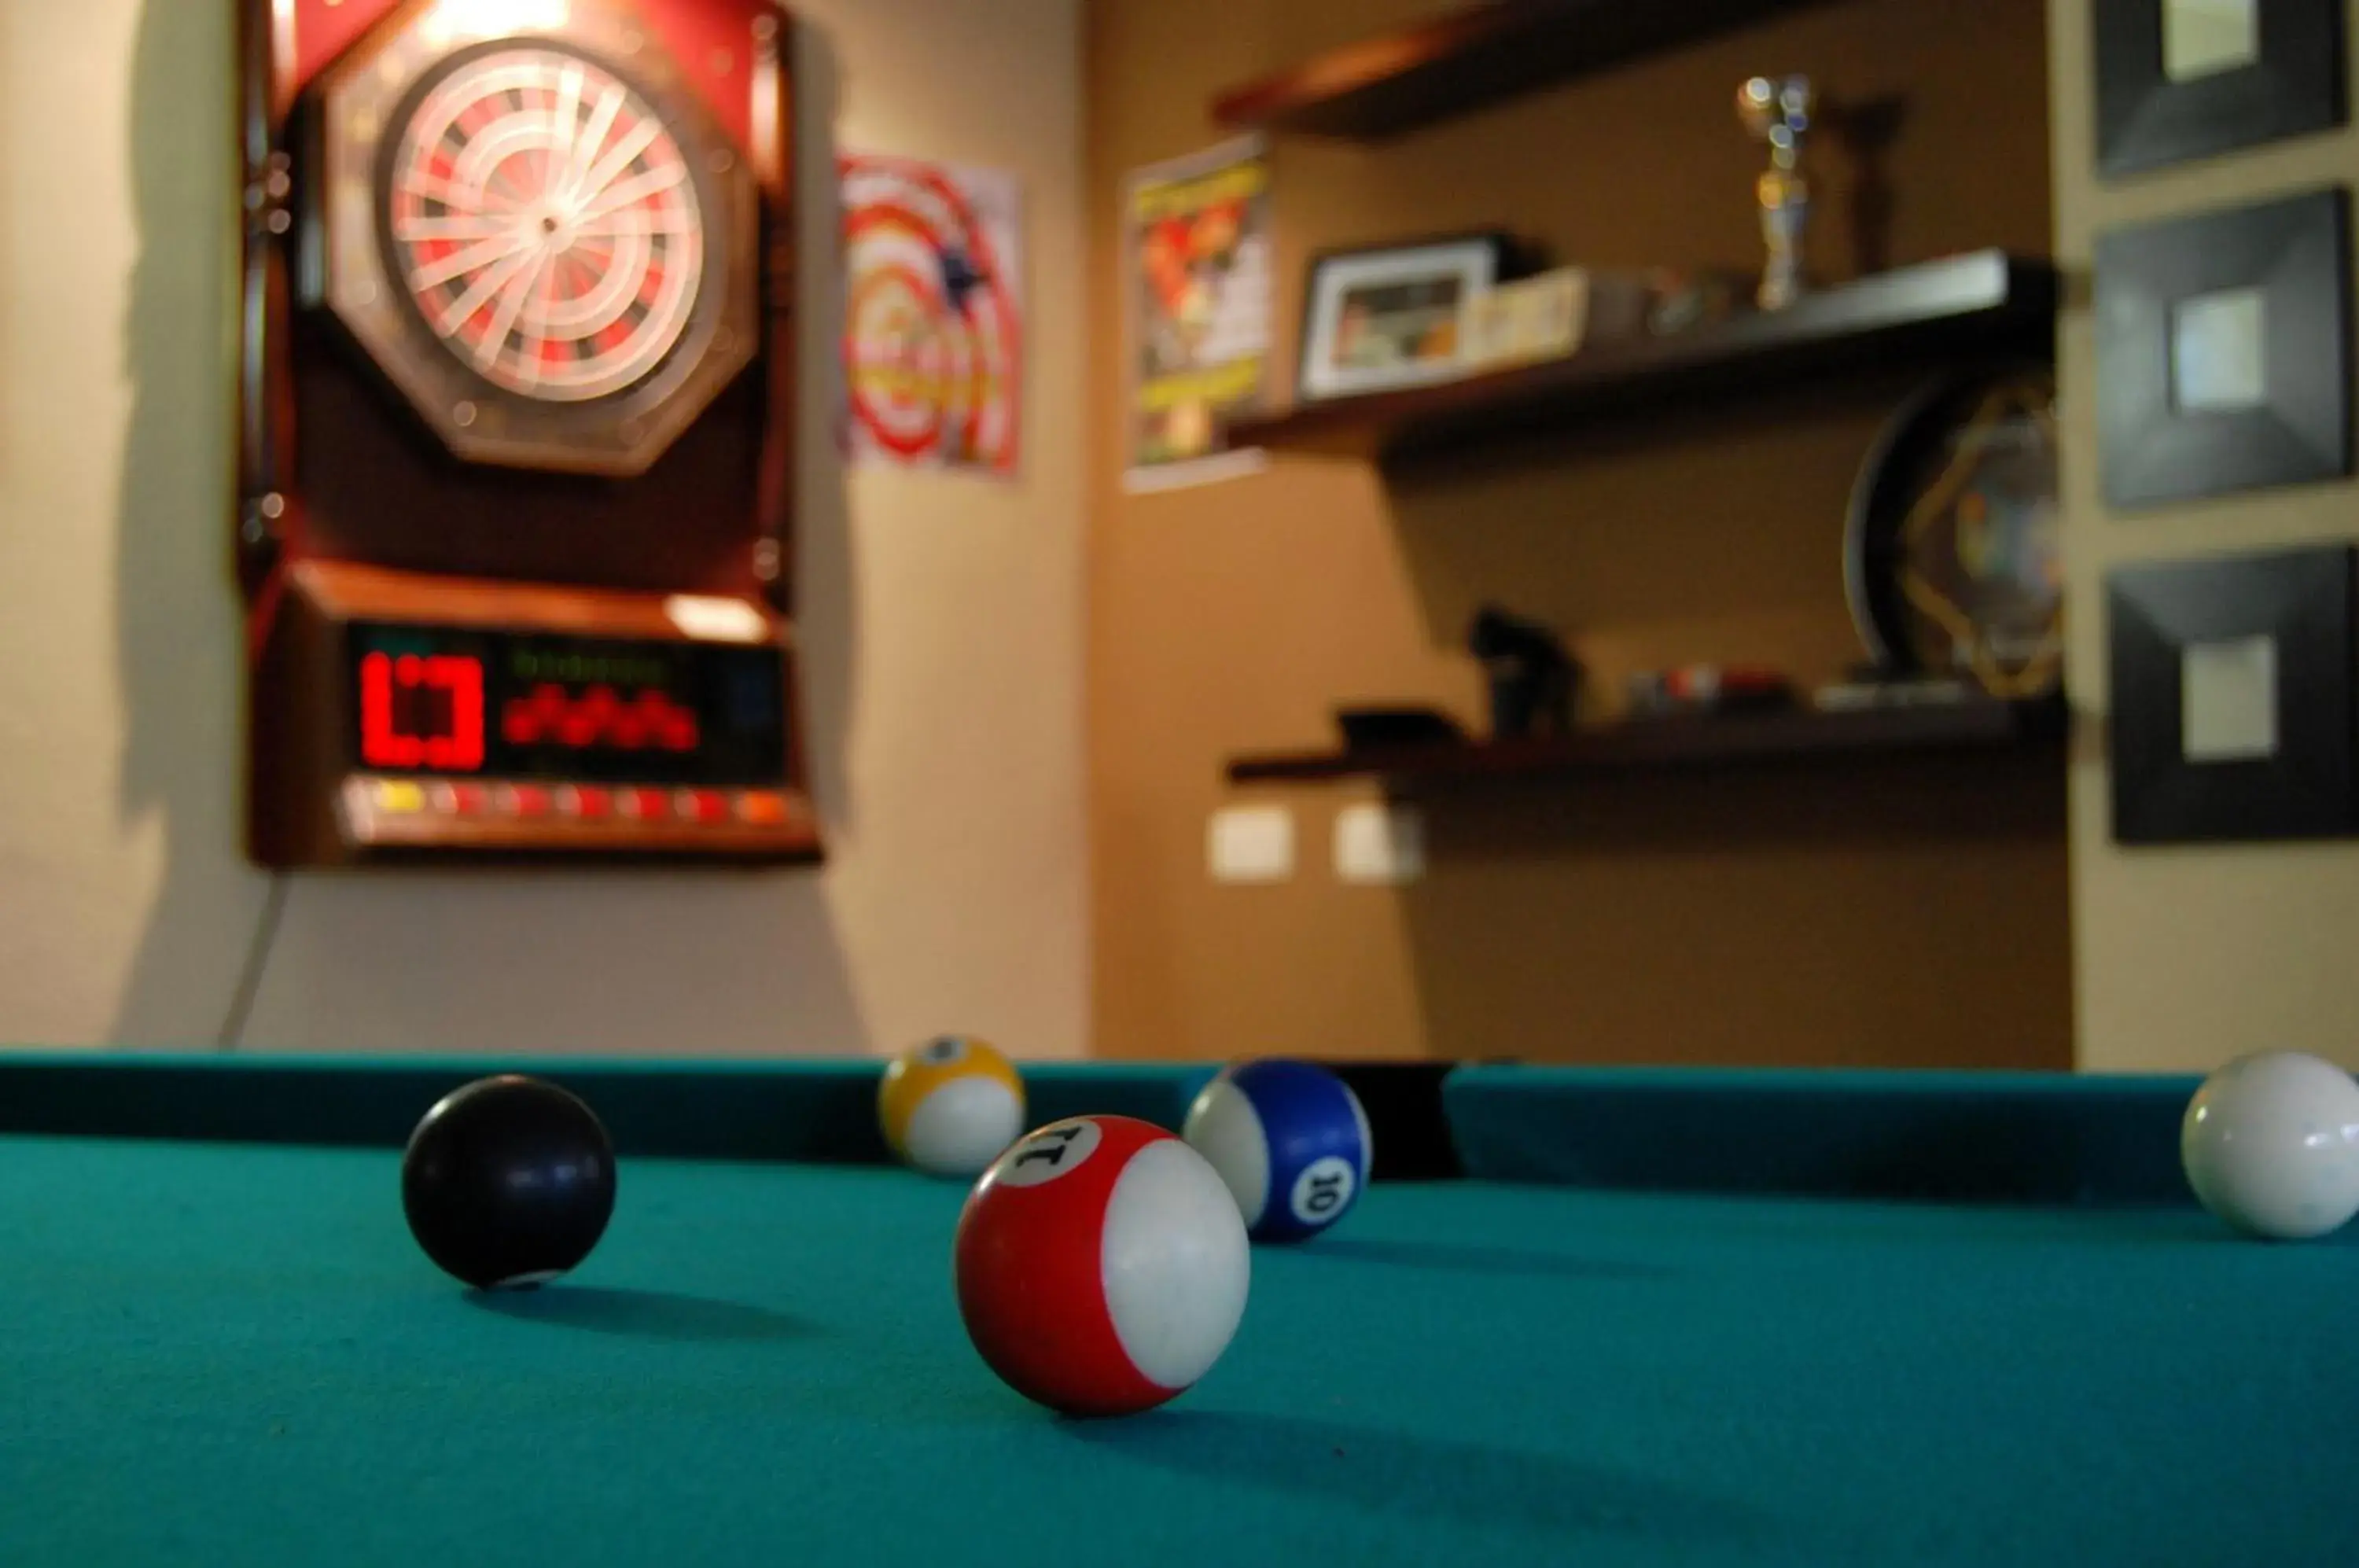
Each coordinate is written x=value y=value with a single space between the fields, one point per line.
x=933 y=351
x=549 y=252
x=545 y=223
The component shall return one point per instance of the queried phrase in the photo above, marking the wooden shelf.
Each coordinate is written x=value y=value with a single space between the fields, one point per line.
x=1690 y=742
x=1469 y=60
x=1937 y=312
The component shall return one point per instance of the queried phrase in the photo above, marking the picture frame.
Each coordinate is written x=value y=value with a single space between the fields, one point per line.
x=2224 y=350
x=1381 y=318
x=2181 y=80
x=2232 y=704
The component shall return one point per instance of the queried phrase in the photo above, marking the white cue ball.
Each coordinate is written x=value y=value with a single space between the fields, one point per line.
x=2271 y=1145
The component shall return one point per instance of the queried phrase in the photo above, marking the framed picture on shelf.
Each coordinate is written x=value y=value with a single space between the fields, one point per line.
x=1375 y=320
x=2178 y=79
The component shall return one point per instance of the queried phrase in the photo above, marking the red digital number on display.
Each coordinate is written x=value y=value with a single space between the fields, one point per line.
x=422 y=711
x=551 y=715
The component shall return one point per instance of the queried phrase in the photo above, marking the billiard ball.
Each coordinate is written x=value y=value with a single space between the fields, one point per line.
x=508 y=1181
x=1290 y=1141
x=950 y=1105
x=2271 y=1144
x=1101 y=1266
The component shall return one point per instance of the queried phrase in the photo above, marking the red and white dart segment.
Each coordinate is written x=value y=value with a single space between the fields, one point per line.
x=1102 y=1265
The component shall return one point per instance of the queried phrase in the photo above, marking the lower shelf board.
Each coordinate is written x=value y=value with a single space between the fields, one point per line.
x=1699 y=741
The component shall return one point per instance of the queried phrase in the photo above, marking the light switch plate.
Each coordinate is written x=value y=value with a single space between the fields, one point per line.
x=1379 y=845
x=1251 y=844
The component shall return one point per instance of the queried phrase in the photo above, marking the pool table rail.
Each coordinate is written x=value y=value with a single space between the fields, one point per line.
x=1954 y=1137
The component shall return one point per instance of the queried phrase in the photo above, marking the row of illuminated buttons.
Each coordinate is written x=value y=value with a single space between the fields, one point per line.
x=577 y=803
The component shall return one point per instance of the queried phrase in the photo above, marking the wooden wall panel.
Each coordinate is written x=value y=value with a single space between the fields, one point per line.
x=1894 y=913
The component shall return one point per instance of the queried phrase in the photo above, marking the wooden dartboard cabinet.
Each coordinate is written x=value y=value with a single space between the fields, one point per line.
x=517 y=444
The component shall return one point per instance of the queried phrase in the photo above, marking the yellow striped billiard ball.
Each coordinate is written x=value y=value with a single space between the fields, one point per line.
x=951 y=1106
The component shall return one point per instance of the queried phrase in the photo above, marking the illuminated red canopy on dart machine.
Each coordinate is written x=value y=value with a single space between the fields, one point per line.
x=516 y=446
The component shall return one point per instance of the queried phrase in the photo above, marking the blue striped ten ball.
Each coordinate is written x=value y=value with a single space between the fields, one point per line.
x=1101 y=1267
x=1290 y=1141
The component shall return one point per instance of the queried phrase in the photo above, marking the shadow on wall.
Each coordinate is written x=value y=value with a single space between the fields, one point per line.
x=660 y=963
x=175 y=637
x=825 y=605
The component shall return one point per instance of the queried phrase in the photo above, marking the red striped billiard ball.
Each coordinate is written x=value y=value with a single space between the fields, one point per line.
x=1102 y=1265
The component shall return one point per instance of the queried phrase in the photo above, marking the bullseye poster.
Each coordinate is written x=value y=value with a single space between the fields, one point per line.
x=933 y=314
x=1198 y=272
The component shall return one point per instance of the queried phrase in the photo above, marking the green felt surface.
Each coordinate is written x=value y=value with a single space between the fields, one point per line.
x=217 y=1354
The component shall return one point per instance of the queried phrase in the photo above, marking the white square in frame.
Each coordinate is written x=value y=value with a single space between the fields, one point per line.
x=2219 y=351
x=2228 y=699
x=2206 y=37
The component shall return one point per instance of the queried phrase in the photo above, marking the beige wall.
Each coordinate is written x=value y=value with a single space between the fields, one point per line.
x=2186 y=955
x=949 y=760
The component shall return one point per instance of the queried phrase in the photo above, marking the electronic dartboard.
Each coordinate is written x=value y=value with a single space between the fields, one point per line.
x=516 y=445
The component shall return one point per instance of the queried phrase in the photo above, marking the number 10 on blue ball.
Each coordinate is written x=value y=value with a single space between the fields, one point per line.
x=1290 y=1141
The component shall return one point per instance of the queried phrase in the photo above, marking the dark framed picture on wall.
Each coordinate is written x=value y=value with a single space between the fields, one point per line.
x=2178 y=79
x=1381 y=318
x=2233 y=696
x=2224 y=350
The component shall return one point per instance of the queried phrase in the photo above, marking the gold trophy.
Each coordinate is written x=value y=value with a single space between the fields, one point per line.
x=1776 y=110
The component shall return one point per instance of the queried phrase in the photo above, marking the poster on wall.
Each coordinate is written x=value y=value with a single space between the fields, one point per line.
x=1197 y=273
x=933 y=352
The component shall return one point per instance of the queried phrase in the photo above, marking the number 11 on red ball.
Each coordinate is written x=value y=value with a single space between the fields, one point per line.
x=1102 y=1265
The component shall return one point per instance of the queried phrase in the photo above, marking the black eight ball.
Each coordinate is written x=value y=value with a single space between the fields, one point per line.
x=508 y=1181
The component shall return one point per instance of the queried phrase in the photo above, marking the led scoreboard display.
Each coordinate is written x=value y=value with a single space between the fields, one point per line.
x=522 y=722
x=516 y=453
x=461 y=704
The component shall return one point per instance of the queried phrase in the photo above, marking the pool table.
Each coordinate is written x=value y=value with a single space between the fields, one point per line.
x=1647 y=1317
